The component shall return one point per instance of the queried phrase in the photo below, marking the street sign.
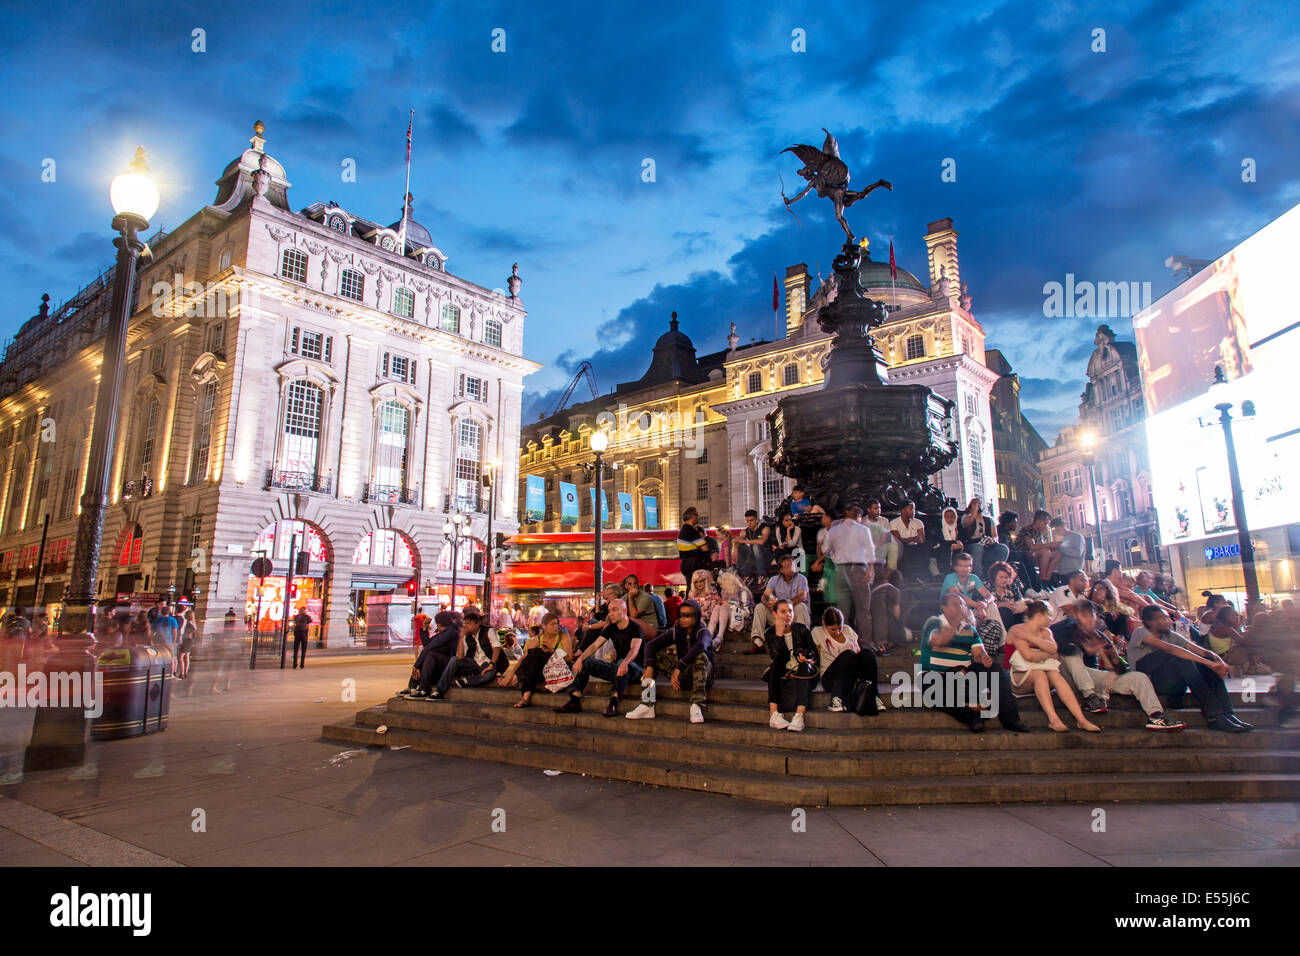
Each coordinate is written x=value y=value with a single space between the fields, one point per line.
x=262 y=568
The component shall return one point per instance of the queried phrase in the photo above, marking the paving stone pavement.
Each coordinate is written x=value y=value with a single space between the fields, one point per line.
x=244 y=778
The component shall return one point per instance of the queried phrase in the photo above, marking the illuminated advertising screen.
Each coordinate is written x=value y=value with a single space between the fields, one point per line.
x=1237 y=313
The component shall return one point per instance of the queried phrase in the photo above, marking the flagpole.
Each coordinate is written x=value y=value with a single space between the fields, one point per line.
x=893 y=275
x=405 y=203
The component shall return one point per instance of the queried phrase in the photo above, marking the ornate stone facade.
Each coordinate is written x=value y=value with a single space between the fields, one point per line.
x=930 y=338
x=280 y=367
x=1112 y=409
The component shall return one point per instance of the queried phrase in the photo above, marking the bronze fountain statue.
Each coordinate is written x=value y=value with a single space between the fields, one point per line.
x=858 y=437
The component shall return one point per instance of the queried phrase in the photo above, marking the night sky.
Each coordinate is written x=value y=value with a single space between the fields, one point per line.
x=1099 y=164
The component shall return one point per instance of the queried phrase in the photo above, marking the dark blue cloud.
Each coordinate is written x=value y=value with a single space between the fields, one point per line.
x=1068 y=161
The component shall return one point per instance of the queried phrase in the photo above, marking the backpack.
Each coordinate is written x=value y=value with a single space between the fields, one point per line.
x=661 y=613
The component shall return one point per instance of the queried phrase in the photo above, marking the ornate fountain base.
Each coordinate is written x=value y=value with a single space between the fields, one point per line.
x=860 y=437
x=861 y=440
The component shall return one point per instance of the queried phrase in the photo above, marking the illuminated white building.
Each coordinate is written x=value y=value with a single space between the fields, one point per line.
x=286 y=372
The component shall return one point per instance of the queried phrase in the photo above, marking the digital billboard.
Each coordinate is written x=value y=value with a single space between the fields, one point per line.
x=1238 y=313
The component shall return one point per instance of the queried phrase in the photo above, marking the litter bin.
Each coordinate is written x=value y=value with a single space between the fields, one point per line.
x=137 y=691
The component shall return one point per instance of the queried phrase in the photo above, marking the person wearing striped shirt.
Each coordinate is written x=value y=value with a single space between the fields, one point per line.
x=950 y=645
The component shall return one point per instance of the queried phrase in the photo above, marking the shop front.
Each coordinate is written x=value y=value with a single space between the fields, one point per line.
x=300 y=563
x=1214 y=564
x=385 y=574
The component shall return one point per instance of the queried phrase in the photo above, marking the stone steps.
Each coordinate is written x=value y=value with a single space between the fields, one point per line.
x=694 y=744
x=892 y=730
x=810 y=791
x=905 y=755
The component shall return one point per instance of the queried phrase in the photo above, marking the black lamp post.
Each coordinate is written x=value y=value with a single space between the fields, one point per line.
x=1090 y=462
x=599 y=442
x=59 y=734
x=489 y=479
x=135 y=199
x=453 y=530
x=1238 y=498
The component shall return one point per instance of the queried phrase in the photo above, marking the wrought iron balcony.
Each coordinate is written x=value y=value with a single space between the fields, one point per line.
x=137 y=488
x=465 y=504
x=299 y=481
x=392 y=494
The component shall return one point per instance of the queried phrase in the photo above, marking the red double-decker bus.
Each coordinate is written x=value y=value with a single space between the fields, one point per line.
x=559 y=568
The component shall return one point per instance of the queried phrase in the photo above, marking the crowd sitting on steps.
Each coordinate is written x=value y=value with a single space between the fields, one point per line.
x=1069 y=641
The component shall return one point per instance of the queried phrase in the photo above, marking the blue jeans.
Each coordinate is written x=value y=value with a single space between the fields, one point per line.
x=605 y=670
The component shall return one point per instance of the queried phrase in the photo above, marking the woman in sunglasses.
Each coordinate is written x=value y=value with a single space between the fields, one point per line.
x=685 y=650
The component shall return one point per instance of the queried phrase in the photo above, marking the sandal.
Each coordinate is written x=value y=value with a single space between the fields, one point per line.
x=522 y=704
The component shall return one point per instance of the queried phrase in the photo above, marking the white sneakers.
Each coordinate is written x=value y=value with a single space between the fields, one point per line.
x=777 y=722
x=642 y=712
x=697 y=715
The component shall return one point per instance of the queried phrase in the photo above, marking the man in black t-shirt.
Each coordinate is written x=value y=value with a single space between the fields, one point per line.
x=626 y=635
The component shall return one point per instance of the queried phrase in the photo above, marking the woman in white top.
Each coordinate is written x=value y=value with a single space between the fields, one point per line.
x=1035 y=666
x=844 y=662
x=734 y=611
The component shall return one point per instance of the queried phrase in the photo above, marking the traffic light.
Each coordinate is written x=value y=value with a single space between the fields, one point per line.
x=410 y=588
x=293 y=591
x=303 y=565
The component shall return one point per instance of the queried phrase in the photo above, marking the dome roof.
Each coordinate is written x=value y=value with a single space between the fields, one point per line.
x=417 y=237
x=674 y=359
x=674 y=338
x=236 y=180
x=875 y=275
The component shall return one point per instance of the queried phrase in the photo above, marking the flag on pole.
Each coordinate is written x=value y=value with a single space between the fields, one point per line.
x=776 y=306
x=893 y=275
x=406 y=200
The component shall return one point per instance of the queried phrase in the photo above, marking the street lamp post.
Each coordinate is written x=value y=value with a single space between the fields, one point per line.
x=453 y=531
x=1090 y=462
x=59 y=734
x=135 y=199
x=1239 y=502
x=599 y=442
x=489 y=479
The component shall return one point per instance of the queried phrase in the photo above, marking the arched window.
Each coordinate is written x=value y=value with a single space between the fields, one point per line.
x=403 y=303
x=771 y=488
x=469 y=557
x=392 y=428
x=203 y=432
x=492 y=333
x=17 y=492
x=146 y=443
x=131 y=547
x=302 y=424
x=469 y=457
x=450 y=318
x=352 y=284
x=276 y=540
x=385 y=547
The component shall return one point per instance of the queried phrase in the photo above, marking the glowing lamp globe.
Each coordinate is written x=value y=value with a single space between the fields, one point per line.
x=133 y=193
x=599 y=442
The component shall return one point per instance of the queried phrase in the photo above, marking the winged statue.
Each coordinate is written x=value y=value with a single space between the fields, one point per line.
x=829 y=175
